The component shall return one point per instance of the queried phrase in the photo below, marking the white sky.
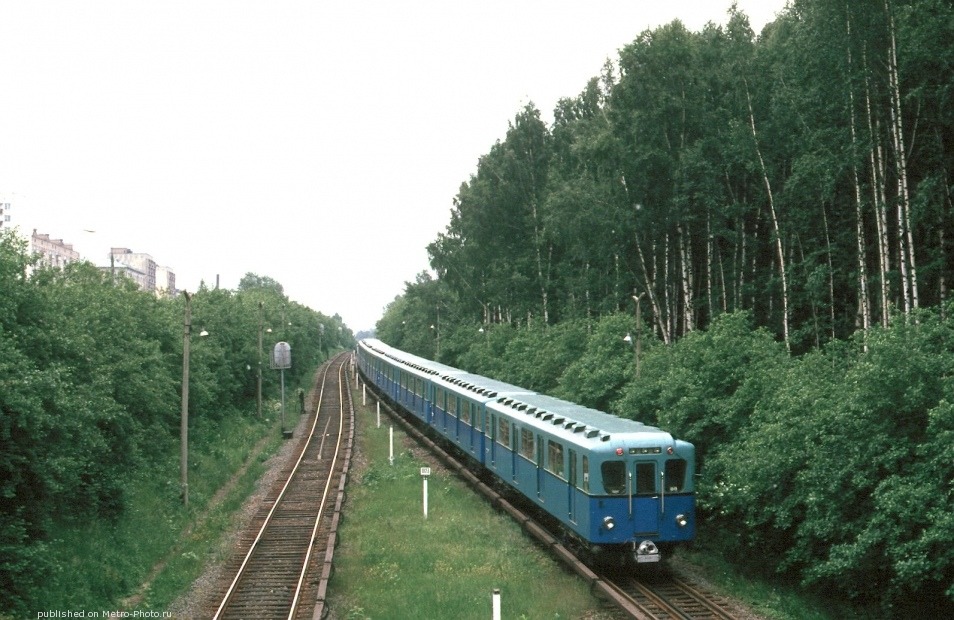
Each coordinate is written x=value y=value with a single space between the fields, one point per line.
x=283 y=137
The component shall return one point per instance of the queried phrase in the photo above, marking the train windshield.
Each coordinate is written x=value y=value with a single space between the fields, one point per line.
x=675 y=475
x=614 y=477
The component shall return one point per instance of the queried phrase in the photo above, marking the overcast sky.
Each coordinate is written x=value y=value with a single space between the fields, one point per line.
x=317 y=143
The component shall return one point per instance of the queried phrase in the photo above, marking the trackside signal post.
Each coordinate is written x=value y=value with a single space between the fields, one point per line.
x=425 y=472
x=281 y=359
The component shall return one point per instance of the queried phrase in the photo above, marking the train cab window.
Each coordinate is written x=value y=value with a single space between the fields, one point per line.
x=675 y=475
x=614 y=477
x=555 y=457
x=503 y=432
x=645 y=478
x=526 y=443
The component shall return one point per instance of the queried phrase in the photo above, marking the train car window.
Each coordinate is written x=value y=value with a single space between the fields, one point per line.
x=675 y=475
x=465 y=412
x=503 y=432
x=586 y=474
x=526 y=443
x=645 y=478
x=614 y=477
x=555 y=457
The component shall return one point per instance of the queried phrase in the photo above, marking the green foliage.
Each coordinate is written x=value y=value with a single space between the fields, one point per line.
x=534 y=357
x=90 y=385
x=607 y=362
x=844 y=471
x=704 y=388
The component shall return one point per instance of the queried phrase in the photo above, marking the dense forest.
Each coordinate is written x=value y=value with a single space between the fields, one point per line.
x=91 y=372
x=747 y=239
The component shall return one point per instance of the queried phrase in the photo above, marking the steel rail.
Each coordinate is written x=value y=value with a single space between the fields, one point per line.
x=248 y=556
x=342 y=384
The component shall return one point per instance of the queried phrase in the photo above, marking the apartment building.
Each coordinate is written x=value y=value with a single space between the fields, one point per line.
x=53 y=252
x=137 y=265
x=7 y=202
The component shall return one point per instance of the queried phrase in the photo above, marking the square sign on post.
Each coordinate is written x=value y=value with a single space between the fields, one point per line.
x=281 y=359
x=281 y=356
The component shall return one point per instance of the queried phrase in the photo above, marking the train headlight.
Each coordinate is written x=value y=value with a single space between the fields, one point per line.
x=609 y=523
x=682 y=520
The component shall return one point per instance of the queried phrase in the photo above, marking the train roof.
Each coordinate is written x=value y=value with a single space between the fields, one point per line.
x=454 y=376
x=593 y=418
x=571 y=418
x=409 y=359
x=576 y=423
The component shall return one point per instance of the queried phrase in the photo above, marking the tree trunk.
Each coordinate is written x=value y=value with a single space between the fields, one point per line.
x=879 y=200
x=685 y=259
x=651 y=292
x=905 y=234
x=775 y=224
x=864 y=304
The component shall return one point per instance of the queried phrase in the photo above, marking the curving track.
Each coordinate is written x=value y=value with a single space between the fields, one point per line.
x=664 y=595
x=278 y=571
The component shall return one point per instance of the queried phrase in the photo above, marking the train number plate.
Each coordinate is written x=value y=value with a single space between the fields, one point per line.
x=648 y=558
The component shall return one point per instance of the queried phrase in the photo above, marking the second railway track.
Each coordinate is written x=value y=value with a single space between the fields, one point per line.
x=277 y=572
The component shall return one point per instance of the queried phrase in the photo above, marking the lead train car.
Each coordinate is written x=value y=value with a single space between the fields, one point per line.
x=618 y=488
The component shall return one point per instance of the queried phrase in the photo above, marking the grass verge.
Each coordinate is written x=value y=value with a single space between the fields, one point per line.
x=101 y=566
x=394 y=563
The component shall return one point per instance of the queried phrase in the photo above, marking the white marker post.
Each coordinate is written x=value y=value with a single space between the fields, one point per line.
x=495 y=604
x=425 y=472
x=391 y=445
x=379 y=414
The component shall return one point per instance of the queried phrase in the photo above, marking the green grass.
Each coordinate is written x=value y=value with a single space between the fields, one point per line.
x=394 y=563
x=98 y=565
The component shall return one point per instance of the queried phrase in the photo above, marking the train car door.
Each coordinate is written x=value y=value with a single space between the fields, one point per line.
x=540 y=453
x=646 y=501
x=485 y=433
x=474 y=426
x=493 y=440
x=571 y=487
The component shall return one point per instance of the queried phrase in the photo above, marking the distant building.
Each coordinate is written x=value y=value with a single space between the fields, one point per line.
x=53 y=252
x=137 y=265
x=7 y=202
x=165 y=282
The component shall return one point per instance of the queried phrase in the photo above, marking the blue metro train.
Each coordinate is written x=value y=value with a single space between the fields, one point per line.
x=620 y=490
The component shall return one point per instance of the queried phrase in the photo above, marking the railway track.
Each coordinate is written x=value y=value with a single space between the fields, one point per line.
x=659 y=595
x=664 y=595
x=284 y=558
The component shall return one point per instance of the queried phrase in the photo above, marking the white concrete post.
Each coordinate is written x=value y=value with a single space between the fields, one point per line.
x=391 y=442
